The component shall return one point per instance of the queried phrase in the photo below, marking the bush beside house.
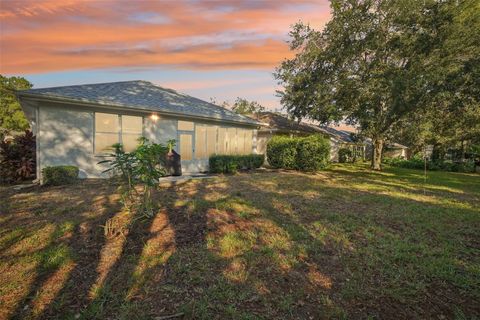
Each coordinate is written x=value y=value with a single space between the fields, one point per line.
x=233 y=163
x=59 y=175
x=419 y=163
x=17 y=158
x=301 y=153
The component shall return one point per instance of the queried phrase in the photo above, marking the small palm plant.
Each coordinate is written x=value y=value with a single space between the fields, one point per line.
x=140 y=168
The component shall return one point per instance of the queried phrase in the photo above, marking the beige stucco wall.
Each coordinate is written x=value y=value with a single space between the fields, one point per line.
x=65 y=136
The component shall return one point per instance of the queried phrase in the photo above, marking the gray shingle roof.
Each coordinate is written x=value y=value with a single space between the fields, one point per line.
x=142 y=95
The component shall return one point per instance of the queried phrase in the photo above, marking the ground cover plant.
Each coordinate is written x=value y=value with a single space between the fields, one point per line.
x=344 y=243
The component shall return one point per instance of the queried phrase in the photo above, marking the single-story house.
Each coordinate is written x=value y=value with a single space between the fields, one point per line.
x=395 y=150
x=76 y=125
x=278 y=124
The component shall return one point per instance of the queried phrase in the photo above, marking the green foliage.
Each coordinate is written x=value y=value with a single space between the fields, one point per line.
x=313 y=153
x=17 y=158
x=11 y=114
x=242 y=106
x=438 y=165
x=310 y=153
x=233 y=163
x=59 y=175
x=372 y=66
x=142 y=167
x=345 y=155
x=282 y=152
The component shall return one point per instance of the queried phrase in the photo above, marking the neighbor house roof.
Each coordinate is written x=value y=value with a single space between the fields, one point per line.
x=281 y=123
x=138 y=95
x=277 y=122
x=341 y=135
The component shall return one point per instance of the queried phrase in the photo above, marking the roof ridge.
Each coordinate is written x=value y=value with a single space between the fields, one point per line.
x=89 y=84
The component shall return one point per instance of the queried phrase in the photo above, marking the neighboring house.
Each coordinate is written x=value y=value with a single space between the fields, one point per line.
x=278 y=124
x=395 y=150
x=75 y=125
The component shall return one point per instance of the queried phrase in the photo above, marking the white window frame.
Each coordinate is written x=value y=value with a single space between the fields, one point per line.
x=120 y=130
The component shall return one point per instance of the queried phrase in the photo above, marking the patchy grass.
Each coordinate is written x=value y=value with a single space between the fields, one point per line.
x=344 y=243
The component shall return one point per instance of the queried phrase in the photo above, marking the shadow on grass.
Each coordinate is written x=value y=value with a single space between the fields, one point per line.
x=270 y=245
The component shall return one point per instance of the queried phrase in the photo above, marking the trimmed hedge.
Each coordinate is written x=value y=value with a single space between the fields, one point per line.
x=313 y=153
x=282 y=152
x=418 y=163
x=310 y=153
x=59 y=175
x=233 y=163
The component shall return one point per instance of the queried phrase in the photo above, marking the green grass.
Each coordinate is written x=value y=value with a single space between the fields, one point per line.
x=344 y=243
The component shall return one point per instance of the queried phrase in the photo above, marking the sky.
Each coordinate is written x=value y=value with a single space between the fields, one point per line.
x=208 y=49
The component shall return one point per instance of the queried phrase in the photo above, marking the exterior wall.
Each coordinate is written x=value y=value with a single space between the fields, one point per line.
x=335 y=145
x=395 y=153
x=65 y=136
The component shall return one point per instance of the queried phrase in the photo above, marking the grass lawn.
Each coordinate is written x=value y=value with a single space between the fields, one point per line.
x=344 y=243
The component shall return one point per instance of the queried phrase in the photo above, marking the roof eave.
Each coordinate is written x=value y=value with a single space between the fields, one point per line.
x=40 y=97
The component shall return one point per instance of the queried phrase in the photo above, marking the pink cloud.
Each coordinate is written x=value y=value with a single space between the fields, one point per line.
x=44 y=36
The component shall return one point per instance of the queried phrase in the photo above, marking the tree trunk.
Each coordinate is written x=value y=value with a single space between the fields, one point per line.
x=377 y=154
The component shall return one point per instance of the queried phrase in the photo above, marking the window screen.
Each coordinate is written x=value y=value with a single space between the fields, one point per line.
x=221 y=141
x=185 y=125
x=240 y=141
x=231 y=143
x=200 y=142
x=106 y=131
x=211 y=140
x=132 y=128
x=248 y=141
x=186 y=146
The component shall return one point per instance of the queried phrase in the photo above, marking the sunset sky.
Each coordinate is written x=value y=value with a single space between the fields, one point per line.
x=220 y=49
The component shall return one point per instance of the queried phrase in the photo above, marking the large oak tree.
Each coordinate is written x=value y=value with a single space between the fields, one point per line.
x=374 y=64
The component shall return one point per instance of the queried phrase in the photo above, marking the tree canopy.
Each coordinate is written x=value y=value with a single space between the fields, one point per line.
x=242 y=106
x=11 y=114
x=378 y=63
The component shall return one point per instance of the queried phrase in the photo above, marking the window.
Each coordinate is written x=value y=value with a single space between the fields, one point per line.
x=185 y=125
x=112 y=128
x=186 y=146
x=231 y=143
x=106 y=131
x=200 y=142
x=131 y=131
x=248 y=141
x=240 y=141
x=211 y=140
x=222 y=137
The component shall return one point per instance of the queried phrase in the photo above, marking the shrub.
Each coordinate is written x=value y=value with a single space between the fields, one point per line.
x=313 y=153
x=345 y=155
x=282 y=152
x=419 y=163
x=304 y=153
x=59 y=175
x=141 y=167
x=17 y=158
x=233 y=163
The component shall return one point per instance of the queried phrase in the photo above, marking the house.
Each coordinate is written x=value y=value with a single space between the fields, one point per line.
x=278 y=124
x=76 y=125
x=395 y=150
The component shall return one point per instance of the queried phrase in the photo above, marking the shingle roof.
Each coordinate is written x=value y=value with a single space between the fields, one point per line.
x=141 y=95
x=340 y=135
x=282 y=123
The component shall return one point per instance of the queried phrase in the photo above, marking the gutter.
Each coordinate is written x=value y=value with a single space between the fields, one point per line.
x=21 y=96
